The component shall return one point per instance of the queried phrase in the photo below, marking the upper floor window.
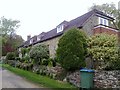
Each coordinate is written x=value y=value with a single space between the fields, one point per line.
x=59 y=28
x=31 y=41
x=103 y=21
x=38 y=38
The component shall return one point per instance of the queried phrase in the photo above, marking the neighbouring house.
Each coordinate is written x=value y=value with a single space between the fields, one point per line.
x=92 y=22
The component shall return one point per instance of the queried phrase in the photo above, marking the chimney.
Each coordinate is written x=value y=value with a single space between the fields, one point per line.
x=28 y=37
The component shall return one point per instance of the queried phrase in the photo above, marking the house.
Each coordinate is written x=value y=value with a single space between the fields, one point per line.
x=92 y=22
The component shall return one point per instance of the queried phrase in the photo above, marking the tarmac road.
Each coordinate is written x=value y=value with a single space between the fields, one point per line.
x=10 y=80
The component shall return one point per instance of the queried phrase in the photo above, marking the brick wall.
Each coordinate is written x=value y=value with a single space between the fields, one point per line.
x=98 y=30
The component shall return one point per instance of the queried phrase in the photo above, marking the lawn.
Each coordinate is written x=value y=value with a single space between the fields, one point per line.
x=41 y=80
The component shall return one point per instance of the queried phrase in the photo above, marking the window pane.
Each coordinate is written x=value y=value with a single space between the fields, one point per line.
x=101 y=21
x=105 y=22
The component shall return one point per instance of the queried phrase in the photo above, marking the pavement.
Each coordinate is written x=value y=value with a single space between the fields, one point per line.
x=10 y=80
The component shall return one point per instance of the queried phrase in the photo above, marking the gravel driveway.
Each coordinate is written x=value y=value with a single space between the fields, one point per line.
x=10 y=80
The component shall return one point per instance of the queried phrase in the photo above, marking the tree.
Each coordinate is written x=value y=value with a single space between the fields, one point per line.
x=10 y=40
x=10 y=44
x=8 y=26
x=71 y=49
x=109 y=9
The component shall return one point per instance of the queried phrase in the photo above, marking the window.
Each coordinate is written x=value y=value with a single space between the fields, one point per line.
x=103 y=21
x=31 y=41
x=59 y=28
x=38 y=38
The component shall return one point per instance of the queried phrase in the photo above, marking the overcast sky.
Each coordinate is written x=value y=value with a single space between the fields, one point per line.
x=38 y=16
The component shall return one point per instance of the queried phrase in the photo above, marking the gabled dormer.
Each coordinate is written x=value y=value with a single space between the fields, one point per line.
x=104 y=19
x=39 y=37
x=61 y=26
x=31 y=40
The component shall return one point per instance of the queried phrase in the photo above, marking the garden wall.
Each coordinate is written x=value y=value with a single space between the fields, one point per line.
x=102 y=79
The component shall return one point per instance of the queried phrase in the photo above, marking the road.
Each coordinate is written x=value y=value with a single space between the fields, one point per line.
x=10 y=80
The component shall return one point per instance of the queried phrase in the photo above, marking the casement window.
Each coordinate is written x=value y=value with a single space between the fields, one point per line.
x=59 y=28
x=103 y=21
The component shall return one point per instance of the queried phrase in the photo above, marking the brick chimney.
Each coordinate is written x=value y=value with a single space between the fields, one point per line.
x=28 y=37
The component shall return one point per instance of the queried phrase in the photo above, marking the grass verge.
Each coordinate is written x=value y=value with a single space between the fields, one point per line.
x=41 y=80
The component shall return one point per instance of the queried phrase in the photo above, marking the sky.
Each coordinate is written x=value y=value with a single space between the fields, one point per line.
x=38 y=16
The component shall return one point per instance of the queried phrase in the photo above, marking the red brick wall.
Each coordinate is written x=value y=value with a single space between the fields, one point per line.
x=99 y=30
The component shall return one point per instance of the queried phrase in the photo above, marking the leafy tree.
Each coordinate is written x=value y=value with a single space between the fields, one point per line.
x=8 y=26
x=104 y=50
x=38 y=53
x=10 y=40
x=10 y=44
x=71 y=49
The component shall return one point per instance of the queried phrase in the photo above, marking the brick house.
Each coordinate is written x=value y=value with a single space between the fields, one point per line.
x=92 y=22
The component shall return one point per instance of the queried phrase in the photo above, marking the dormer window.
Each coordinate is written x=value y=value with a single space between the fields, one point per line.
x=38 y=38
x=103 y=21
x=31 y=41
x=59 y=28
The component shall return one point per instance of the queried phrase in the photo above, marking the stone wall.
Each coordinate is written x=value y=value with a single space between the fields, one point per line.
x=89 y=25
x=102 y=79
x=52 y=43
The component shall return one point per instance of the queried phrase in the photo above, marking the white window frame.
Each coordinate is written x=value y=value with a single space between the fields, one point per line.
x=103 y=21
x=31 y=41
x=59 y=28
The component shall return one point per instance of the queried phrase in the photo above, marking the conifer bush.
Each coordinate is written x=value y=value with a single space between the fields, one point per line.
x=71 y=49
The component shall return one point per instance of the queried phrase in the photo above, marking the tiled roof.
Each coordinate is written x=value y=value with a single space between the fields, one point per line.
x=77 y=22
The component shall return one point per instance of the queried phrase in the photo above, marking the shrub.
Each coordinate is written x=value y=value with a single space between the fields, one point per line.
x=22 y=59
x=114 y=65
x=52 y=62
x=103 y=49
x=45 y=62
x=23 y=51
x=27 y=58
x=17 y=58
x=38 y=53
x=28 y=49
x=11 y=62
x=10 y=56
x=71 y=49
